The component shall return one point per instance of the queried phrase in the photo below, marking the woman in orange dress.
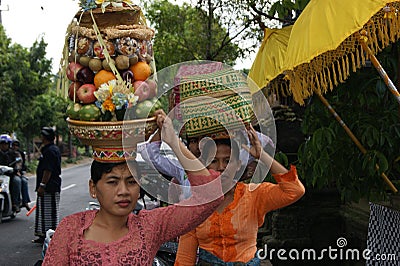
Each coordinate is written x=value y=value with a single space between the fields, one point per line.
x=230 y=233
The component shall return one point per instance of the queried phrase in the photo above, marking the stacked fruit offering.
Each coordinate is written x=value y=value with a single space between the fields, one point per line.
x=110 y=66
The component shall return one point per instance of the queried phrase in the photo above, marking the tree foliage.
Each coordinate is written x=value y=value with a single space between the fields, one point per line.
x=330 y=158
x=246 y=20
x=184 y=33
x=26 y=99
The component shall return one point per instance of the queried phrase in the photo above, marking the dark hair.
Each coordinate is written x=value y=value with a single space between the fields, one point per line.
x=98 y=168
x=229 y=142
x=48 y=133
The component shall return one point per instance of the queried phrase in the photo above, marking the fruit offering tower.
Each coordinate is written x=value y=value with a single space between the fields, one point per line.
x=108 y=61
x=108 y=72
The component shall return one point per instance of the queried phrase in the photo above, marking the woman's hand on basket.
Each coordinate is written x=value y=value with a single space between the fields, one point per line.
x=164 y=123
x=256 y=148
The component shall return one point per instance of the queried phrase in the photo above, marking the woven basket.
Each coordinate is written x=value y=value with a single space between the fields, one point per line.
x=215 y=102
x=112 y=141
x=113 y=16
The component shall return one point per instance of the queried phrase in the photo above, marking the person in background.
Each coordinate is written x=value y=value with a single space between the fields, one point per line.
x=7 y=158
x=20 y=172
x=48 y=186
x=229 y=235
x=150 y=153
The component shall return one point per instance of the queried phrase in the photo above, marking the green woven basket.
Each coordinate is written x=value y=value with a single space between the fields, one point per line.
x=215 y=102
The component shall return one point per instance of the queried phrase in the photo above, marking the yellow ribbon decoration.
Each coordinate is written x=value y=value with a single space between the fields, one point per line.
x=105 y=51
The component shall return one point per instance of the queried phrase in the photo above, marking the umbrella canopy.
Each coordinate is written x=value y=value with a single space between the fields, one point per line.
x=325 y=44
x=270 y=58
x=266 y=72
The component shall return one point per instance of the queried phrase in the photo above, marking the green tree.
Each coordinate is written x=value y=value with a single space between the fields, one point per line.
x=246 y=20
x=184 y=33
x=25 y=77
x=6 y=92
x=330 y=158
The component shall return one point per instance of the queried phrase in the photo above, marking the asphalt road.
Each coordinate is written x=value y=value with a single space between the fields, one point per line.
x=16 y=234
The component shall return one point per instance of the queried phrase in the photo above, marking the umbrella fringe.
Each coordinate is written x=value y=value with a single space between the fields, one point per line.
x=358 y=63
x=333 y=67
x=395 y=28
x=329 y=79
x=340 y=72
x=353 y=63
x=320 y=81
x=335 y=81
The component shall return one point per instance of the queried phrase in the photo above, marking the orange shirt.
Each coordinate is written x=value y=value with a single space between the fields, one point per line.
x=232 y=234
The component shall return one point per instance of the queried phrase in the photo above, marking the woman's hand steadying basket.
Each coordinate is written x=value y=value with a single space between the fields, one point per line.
x=164 y=124
x=256 y=148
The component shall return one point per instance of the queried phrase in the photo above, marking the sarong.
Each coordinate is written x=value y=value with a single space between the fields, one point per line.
x=208 y=259
x=383 y=237
x=47 y=213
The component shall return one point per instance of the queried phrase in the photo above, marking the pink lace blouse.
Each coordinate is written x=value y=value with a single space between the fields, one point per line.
x=146 y=232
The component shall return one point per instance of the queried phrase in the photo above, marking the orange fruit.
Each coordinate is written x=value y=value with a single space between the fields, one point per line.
x=141 y=71
x=103 y=76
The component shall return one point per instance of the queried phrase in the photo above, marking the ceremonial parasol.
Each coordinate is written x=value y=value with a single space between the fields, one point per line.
x=331 y=37
x=271 y=75
x=270 y=58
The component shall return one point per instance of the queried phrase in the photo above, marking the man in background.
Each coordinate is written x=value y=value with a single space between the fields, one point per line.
x=48 y=186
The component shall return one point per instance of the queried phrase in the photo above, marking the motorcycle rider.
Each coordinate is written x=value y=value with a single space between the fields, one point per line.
x=20 y=171
x=7 y=158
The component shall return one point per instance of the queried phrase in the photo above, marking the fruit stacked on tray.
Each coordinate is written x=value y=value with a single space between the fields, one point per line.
x=109 y=63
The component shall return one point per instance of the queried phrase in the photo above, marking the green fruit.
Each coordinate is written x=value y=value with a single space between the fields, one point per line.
x=84 y=60
x=143 y=109
x=159 y=103
x=122 y=62
x=106 y=65
x=133 y=60
x=89 y=112
x=95 y=64
x=73 y=110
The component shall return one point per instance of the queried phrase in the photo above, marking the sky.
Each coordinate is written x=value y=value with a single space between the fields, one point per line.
x=27 y=20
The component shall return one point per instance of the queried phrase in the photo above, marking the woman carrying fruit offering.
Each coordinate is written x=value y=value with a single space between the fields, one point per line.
x=113 y=235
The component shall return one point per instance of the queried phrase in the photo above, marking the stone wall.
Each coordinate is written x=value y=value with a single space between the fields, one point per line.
x=318 y=221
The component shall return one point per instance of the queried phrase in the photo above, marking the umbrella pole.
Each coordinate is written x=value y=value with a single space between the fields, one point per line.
x=354 y=138
x=380 y=69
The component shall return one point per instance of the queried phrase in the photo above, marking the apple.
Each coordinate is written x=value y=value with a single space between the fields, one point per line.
x=153 y=88
x=86 y=93
x=145 y=89
x=72 y=70
x=142 y=90
x=73 y=88
x=85 y=75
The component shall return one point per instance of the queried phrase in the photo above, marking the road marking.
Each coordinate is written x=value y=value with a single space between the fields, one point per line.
x=68 y=187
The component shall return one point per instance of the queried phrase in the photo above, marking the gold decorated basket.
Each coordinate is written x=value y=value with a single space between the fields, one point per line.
x=112 y=141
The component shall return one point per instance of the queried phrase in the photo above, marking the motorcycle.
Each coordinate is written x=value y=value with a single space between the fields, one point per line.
x=46 y=243
x=6 y=209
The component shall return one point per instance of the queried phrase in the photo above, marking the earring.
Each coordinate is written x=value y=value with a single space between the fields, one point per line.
x=94 y=196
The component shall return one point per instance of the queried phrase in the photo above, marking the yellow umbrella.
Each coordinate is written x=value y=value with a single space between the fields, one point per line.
x=266 y=72
x=325 y=42
x=270 y=59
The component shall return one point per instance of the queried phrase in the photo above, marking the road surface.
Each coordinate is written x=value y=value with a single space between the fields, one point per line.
x=16 y=234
